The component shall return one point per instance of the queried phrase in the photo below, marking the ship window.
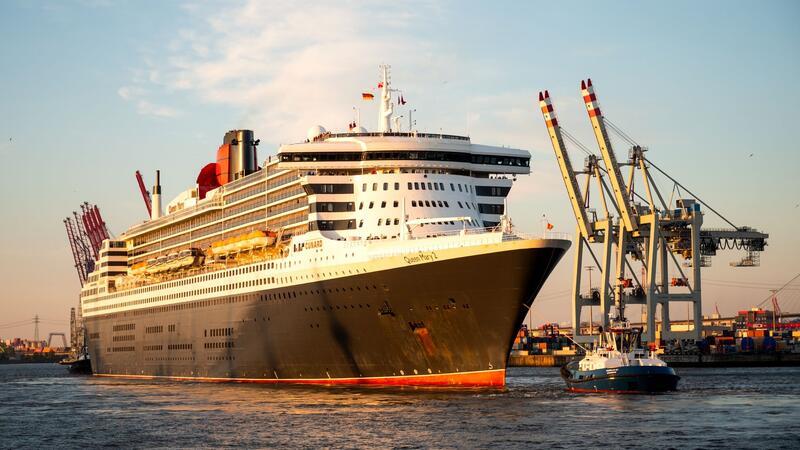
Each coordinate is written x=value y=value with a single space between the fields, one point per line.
x=380 y=221
x=459 y=188
x=414 y=203
x=410 y=186
x=371 y=204
x=397 y=186
x=416 y=185
x=388 y=222
x=397 y=221
x=374 y=186
x=364 y=187
x=361 y=223
x=383 y=204
x=446 y=205
x=422 y=185
x=385 y=186
x=396 y=203
x=440 y=203
x=452 y=188
x=429 y=186
x=435 y=186
x=427 y=203
x=466 y=203
x=361 y=205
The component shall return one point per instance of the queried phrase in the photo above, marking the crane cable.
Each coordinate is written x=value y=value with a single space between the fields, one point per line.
x=778 y=290
x=692 y=194
x=578 y=143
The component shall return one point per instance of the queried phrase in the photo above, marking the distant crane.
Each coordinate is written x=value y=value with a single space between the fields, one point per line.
x=86 y=232
x=643 y=229
x=776 y=310
x=148 y=203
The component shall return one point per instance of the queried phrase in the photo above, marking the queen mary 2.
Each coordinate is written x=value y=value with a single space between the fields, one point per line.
x=358 y=257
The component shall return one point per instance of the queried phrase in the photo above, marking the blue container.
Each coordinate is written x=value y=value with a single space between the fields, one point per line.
x=748 y=345
x=769 y=344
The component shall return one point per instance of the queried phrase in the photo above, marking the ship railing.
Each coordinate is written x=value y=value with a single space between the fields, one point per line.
x=215 y=203
x=507 y=236
x=452 y=239
x=412 y=134
x=258 y=175
x=545 y=235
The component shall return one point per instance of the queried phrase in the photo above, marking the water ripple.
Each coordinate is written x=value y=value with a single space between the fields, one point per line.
x=42 y=406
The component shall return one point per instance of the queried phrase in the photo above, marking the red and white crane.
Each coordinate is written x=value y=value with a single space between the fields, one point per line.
x=86 y=232
x=148 y=203
x=645 y=229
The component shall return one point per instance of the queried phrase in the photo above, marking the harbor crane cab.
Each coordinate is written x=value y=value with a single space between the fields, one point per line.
x=637 y=229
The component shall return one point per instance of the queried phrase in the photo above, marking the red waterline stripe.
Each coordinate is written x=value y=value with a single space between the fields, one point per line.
x=486 y=378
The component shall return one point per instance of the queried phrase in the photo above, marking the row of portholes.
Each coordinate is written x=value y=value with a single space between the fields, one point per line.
x=338 y=307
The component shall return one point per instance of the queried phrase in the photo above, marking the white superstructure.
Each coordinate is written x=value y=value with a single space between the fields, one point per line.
x=338 y=203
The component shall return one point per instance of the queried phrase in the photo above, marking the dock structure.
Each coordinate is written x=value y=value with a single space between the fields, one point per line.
x=638 y=229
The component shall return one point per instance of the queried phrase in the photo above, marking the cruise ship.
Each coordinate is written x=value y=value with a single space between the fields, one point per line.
x=353 y=257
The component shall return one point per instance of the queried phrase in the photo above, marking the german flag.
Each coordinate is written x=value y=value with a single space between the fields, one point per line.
x=367 y=96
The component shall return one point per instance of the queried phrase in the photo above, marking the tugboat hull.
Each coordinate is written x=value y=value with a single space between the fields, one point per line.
x=621 y=380
x=78 y=366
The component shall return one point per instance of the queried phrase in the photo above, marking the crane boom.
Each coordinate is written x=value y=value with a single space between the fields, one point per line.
x=76 y=254
x=145 y=194
x=567 y=172
x=88 y=227
x=610 y=160
x=101 y=225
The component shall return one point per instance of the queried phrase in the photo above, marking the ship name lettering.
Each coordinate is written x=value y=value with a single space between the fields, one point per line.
x=421 y=257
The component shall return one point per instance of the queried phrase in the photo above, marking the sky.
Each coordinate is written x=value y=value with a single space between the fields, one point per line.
x=93 y=90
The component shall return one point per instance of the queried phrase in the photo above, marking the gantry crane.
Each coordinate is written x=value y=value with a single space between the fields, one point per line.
x=637 y=230
x=590 y=229
x=86 y=232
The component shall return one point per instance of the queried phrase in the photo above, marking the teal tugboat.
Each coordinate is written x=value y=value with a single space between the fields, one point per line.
x=618 y=364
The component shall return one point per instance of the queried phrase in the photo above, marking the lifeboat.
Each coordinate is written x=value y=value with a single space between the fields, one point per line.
x=172 y=262
x=138 y=268
x=188 y=258
x=243 y=242
x=155 y=265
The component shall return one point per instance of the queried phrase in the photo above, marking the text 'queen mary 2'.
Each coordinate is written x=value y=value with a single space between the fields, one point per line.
x=358 y=257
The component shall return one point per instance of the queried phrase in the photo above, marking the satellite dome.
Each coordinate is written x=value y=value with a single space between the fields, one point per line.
x=359 y=130
x=315 y=131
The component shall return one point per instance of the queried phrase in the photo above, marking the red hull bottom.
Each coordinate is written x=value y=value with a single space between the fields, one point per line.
x=486 y=378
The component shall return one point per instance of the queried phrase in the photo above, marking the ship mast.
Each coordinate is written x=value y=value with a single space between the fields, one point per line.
x=386 y=109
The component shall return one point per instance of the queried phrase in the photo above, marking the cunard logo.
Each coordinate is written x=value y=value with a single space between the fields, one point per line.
x=421 y=257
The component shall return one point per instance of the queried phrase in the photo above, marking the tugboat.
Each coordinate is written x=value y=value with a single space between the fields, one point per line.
x=78 y=365
x=618 y=364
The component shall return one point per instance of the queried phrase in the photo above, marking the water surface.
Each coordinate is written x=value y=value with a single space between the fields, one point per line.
x=42 y=406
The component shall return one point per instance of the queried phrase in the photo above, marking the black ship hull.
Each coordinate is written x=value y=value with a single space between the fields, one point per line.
x=448 y=322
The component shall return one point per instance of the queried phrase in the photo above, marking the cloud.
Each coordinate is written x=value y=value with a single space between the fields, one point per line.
x=286 y=67
x=289 y=66
x=136 y=94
